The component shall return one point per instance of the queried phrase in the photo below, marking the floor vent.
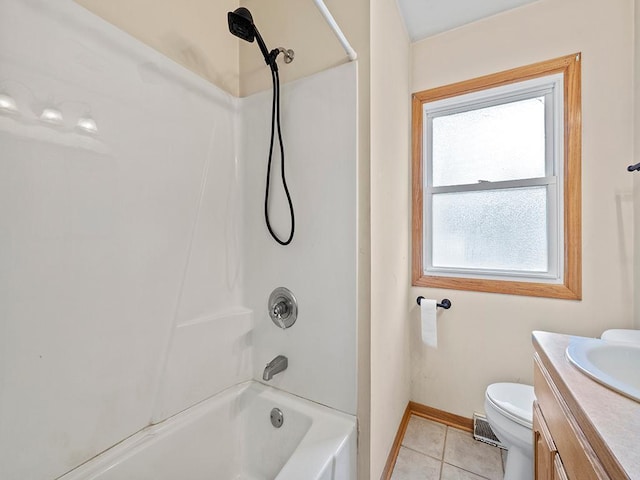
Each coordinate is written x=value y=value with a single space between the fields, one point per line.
x=482 y=431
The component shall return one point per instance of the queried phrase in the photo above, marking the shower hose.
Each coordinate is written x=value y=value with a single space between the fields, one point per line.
x=275 y=121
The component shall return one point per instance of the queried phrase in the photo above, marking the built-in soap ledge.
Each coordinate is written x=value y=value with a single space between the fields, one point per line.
x=205 y=356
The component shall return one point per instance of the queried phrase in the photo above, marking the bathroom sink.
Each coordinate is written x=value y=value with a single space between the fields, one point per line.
x=615 y=365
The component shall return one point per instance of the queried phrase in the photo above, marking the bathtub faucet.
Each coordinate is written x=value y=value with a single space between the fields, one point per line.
x=277 y=365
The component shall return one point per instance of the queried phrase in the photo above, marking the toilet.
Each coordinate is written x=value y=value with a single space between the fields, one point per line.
x=509 y=410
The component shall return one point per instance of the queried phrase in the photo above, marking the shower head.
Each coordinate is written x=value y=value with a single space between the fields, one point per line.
x=241 y=25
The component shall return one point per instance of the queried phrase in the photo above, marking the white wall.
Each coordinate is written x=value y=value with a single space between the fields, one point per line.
x=486 y=337
x=390 y=227
x=109 y=243
x=319 y=126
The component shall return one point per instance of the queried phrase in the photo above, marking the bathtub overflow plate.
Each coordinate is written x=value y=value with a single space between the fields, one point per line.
x=277 y=418
x=283 y=307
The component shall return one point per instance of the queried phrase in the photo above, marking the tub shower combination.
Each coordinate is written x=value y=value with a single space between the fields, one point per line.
x=131 y=192
x=232 y=436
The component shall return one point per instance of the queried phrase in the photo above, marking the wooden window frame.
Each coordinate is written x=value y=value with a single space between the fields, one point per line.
x=571 y=286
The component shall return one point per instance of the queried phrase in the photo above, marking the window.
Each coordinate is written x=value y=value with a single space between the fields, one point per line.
x=496 y=182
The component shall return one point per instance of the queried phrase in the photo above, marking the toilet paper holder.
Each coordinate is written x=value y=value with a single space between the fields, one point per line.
x=445 y=303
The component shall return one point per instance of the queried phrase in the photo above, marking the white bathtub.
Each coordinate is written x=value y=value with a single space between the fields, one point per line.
x=230 y=437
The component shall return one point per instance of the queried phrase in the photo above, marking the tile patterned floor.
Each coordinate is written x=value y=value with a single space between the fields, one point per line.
x=432 y=451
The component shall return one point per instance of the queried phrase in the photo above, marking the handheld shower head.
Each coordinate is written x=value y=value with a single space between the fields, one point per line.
x=241 y=25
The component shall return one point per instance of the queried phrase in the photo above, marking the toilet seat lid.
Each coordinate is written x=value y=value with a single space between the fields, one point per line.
x=515 y=400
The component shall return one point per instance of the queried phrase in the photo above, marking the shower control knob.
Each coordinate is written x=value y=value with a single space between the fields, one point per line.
x=281 y=310
x=283 y=307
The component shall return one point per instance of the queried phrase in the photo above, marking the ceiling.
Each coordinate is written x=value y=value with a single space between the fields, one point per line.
x=424 y=18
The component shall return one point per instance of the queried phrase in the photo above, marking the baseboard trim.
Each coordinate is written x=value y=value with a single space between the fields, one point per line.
x=430 y=413
x=440 y=416
x=395 y=448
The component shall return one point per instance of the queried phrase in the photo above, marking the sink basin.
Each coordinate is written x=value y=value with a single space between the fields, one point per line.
x=615 y=365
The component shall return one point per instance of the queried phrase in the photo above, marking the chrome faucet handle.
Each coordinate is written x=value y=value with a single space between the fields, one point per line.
x=281 y=310
x=283 y=307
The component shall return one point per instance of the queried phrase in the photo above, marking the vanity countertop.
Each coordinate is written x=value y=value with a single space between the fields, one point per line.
x=610 y=421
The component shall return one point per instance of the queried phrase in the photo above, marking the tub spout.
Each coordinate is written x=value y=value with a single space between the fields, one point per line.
x=277 y=365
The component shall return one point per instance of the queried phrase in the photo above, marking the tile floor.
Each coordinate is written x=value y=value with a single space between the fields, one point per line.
x=432 y=451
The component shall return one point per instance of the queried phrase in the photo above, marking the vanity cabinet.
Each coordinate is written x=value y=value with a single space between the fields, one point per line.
x=569 y=416
x=547 y=460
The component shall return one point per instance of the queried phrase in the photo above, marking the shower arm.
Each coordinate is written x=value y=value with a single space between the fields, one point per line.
x=270 y=56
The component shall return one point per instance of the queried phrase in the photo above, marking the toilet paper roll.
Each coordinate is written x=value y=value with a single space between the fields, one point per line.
x=428 y=321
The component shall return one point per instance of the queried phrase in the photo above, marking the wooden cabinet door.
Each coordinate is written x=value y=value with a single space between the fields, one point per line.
x=544 y=448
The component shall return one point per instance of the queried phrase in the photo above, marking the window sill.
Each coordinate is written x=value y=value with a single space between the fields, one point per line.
x=571 y=290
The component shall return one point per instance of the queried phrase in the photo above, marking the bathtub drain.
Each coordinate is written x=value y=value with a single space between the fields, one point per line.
x=277 y=418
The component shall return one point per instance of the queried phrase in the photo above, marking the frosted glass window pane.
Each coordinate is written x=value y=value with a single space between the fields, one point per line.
x=503 y=142
x=494 y=229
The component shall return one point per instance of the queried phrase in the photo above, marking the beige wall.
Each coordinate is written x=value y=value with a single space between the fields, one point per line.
x=485 y=338
x=636 y=176
x=305 y=31
x=390 y=226
x=193 y=33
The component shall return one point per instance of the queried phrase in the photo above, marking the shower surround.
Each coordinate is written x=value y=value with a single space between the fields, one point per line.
x=135 y=263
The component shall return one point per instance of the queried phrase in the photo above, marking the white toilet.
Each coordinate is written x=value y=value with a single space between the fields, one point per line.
x=509 y=410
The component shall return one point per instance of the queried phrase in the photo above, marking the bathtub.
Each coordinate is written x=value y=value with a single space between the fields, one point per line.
x=230 y=437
